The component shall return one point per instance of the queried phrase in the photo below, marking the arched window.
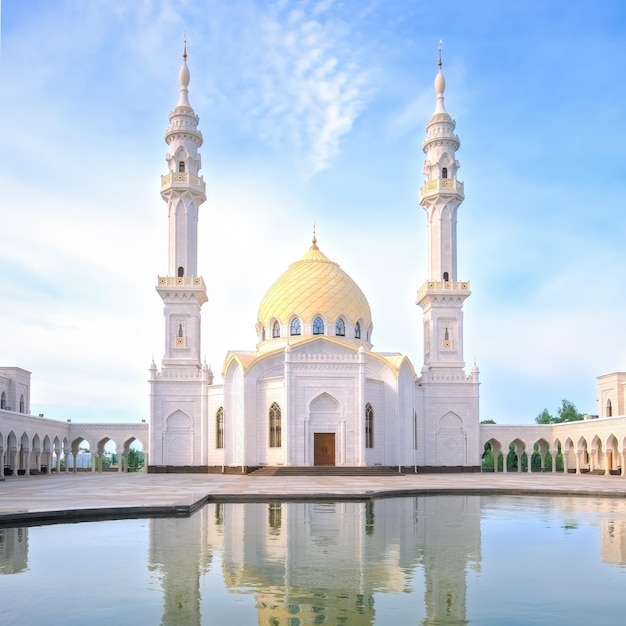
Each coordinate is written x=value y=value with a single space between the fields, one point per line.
x=444 y=172
x=369 y=426
x=318 y=326
x=446 y=335
x=296 y=327
x=357 y=330
x=263 y=334
x=609 y=408
x=181 y=166
x=340 y=328
x=22 y=403
x=181 y=272
x=275 y=330
x=3 y=401
x=275 y=426
x=219 y=428
x=446 y=277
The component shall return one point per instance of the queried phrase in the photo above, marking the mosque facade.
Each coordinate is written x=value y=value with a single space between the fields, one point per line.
x=313 y=391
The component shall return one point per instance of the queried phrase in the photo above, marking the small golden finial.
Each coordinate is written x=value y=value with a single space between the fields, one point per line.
x=185 y=46
x=314 y=237
x=440 y=63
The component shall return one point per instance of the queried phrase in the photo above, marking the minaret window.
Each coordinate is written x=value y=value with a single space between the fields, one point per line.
x=22 y=403
x=275 y=330
x=275 y=426
x=181 y=167
x=296 y=327
x=219 y=428
x=340 y=328
x=318 y=326
x=357 y=330
x=181 y=272
x=369 y=426
x=446 y=277
x=180 y=330
x=444 y=172
x=446 y=335
x=609 y=409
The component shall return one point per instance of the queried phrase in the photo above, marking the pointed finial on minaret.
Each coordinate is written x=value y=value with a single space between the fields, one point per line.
x=314 y=246
x=183 y=79
x=185 y=48
x=440 y=85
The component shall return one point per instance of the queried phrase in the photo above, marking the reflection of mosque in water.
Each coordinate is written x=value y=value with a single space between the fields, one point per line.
x=322 y=562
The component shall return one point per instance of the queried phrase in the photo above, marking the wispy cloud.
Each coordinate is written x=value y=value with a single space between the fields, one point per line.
x=310 y=87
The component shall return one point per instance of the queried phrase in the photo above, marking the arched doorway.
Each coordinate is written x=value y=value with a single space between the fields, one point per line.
x=324 y=419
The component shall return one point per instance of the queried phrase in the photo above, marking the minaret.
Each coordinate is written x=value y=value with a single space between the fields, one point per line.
x=442 y=295
x=182 y=291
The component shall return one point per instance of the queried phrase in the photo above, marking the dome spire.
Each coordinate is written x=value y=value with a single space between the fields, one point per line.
x=440 y=85
x=183 y=79
x=314 y=240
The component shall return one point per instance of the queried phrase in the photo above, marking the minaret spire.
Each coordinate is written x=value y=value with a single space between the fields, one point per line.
x=442 y=295
x=183 y=189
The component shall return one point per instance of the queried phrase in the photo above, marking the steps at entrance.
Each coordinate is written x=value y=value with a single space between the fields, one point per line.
x=326 y=470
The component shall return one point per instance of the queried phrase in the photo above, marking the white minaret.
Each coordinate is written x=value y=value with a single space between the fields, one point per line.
x=442 y=295
x=182 y=291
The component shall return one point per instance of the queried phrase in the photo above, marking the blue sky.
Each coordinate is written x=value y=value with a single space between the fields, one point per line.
x=312 y=110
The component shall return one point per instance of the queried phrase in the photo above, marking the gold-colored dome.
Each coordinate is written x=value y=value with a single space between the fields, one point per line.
x=313 y=286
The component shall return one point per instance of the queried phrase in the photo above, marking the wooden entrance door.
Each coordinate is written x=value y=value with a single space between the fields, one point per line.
x=323 y=448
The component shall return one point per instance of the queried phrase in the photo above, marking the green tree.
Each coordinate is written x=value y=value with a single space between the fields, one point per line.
x=135 y=460
x=488 y=422
x=567 y=412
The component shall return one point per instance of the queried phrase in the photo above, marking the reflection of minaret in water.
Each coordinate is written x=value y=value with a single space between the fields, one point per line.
x=180 y=553
x=13 y=550
x=450 y=536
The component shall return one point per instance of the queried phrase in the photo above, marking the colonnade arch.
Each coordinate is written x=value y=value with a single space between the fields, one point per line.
x=575 y=448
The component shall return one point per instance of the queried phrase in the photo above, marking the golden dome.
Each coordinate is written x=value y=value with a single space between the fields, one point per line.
x=313 y=286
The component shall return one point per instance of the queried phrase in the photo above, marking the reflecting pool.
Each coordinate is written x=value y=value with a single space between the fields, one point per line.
x=425 y=560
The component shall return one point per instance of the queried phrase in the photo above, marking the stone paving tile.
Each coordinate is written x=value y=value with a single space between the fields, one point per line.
x=104 y=492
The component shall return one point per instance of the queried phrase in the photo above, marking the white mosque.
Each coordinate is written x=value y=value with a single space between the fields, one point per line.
x=313 y=391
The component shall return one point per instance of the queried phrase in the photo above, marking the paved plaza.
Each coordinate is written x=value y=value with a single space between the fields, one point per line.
x=81 y=496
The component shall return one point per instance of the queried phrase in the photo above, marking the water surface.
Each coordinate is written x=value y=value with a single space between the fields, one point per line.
x=426 y=560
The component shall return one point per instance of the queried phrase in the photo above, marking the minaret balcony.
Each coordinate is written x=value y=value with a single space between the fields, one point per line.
x=182 y=181
x=442 y=289
x=442 y=187
x=177 y=287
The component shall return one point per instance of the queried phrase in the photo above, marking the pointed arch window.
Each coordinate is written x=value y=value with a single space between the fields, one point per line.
x=22 y=403
x=219 y=428
x=340 y=328
x=318 y=326
x=3 y=401
x=263 y=334
x=275 y=330
x=296 y=327
x=181 y=167
x=357 y=330
x=609 y=408
x=275 y=426
x=369 y=426
x=444 y=172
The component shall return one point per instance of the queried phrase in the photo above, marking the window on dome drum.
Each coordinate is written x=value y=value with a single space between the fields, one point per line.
x=275 y=330
x=275 y=426
x=357 y=330
x=369 y=426
x=609 y=409
x=318 y=326
x=181 y=272
x=444 y=172
x=296 y=327
x=340 y=328
x=3 y=401
x=446 y=277
x=219 y=428
x=263 y=334
x=181 y=166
